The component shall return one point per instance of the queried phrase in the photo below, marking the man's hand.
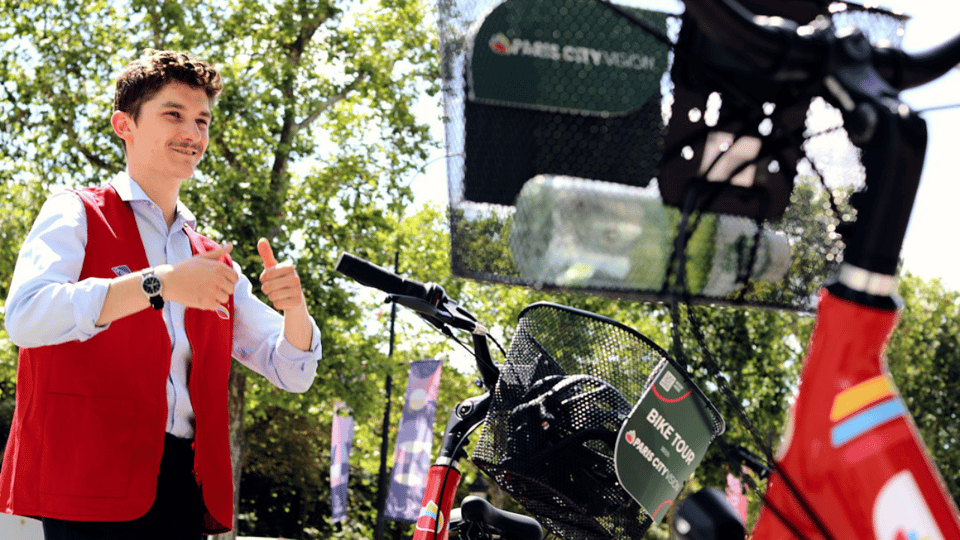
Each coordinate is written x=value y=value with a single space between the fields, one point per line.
x=281 y=284
x=201 y=281
x=279 y=281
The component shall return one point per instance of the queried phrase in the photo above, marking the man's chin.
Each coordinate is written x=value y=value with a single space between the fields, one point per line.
x=182 y=174
x=185 y=170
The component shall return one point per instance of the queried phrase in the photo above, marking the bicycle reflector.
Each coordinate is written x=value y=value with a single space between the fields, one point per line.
x=568 y=384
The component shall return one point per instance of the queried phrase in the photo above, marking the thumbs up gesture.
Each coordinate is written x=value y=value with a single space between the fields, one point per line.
x=279 y=281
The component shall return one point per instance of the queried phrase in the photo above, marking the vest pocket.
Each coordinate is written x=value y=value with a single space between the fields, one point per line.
x=88 y=446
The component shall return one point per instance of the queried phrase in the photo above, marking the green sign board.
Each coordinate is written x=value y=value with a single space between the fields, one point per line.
x=663 y=440
x=566 y=55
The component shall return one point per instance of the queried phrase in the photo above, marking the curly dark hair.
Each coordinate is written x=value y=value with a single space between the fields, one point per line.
x=141 y=79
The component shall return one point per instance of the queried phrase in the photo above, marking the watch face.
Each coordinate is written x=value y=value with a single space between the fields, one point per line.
x=151 y=285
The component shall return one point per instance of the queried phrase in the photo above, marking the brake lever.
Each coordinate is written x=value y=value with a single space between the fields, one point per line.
x=450 y=314
x=424 y=309
x=464 y=320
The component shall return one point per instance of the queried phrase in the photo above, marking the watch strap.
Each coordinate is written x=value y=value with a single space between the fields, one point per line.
x=156 y=301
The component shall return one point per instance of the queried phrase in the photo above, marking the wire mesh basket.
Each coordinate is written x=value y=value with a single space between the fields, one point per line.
x=570 y=124
x=570 y=380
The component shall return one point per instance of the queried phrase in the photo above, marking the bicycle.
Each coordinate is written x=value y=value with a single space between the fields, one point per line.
x=900 y=493
x=551 y=416
x=849 y=430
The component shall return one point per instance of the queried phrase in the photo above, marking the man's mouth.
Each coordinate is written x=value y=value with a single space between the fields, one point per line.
x=186 y=150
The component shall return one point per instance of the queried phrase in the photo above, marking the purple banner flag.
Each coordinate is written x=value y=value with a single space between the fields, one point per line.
x=411 y=457
x=342 y=440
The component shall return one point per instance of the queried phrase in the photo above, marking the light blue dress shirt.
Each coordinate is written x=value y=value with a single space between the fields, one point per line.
x=47 y=305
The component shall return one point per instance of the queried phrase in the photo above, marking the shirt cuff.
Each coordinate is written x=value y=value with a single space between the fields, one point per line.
x=297 y=369
x=88 y=298
x=287 y=351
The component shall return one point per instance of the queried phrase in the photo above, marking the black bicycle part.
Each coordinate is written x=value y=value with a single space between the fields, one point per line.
x=464 y=418
x=480 y=520
x=707 y=515
x=769 y=43
x=369 y=274
x=847 y=71
x=429 y=301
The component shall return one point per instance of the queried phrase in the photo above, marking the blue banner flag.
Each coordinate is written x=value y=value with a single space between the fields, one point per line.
x=342 y=440
x=411 y=457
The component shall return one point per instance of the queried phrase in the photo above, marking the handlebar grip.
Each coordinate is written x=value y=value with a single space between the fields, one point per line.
x=512 y=526
x=368 y=274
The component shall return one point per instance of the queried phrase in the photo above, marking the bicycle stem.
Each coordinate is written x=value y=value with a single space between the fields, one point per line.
x=489 y=372
x=843 y=69
x=893 y=139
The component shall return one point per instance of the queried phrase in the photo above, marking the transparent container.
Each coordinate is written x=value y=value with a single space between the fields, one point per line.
x=583 y=233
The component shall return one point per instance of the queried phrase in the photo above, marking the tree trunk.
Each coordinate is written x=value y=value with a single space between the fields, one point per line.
x=238 y=446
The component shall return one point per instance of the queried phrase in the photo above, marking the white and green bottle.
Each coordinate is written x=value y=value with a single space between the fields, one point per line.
x=574 y=232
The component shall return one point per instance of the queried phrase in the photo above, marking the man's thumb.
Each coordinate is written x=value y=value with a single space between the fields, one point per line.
x=266 y=253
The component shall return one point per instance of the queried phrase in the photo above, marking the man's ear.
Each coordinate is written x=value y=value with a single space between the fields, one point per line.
x=122 y=124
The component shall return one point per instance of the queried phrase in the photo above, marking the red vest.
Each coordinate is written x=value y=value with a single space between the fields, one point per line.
x=87 y=433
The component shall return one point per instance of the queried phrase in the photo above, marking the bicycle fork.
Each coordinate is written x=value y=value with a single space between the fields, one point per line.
x=444 y=475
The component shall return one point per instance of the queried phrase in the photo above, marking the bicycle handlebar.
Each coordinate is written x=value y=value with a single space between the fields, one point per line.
x=429 y=301
x=863 y=81
x=371 y=275
x=780 y=46
x=920 y=68
x=759 y=42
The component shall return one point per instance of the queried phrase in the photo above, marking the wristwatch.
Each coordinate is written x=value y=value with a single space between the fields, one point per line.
x=152 y=286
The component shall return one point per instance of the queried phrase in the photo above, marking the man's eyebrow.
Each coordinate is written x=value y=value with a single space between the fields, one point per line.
x=179 y=106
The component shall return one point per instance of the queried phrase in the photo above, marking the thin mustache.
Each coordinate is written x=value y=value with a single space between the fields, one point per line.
x=187 y=146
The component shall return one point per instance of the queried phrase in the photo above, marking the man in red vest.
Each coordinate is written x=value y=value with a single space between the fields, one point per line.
x=127 y=320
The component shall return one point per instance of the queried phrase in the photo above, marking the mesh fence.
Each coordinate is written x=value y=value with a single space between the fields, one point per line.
x=574 y=134
x=570 y=380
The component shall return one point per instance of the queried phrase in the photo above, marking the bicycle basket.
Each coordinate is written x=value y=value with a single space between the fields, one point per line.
x=592 y=90
x=570 y=380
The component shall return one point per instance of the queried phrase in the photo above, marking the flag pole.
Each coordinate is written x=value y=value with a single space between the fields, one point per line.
x=385 y=430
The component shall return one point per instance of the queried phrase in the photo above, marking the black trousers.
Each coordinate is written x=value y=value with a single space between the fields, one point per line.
x=176 y=514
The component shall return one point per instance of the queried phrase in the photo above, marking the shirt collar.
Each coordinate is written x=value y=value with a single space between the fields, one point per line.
x=129 y=190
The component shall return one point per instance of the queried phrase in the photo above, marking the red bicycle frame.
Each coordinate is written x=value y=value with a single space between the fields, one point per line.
x=442 y=482
x=851 y=447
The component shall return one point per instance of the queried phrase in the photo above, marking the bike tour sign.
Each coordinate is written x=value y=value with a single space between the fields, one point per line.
x=663 y=440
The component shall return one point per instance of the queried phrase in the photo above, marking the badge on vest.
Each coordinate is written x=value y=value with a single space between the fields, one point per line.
x=121 y=270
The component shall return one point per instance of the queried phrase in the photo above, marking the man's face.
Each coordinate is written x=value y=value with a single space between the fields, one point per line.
x=171 y=135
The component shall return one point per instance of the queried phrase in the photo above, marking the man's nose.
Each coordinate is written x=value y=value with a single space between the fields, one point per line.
x=191 y=132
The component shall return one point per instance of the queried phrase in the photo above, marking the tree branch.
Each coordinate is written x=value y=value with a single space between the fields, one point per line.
x=91 y=158
x=312 y=117
x=229 y=155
